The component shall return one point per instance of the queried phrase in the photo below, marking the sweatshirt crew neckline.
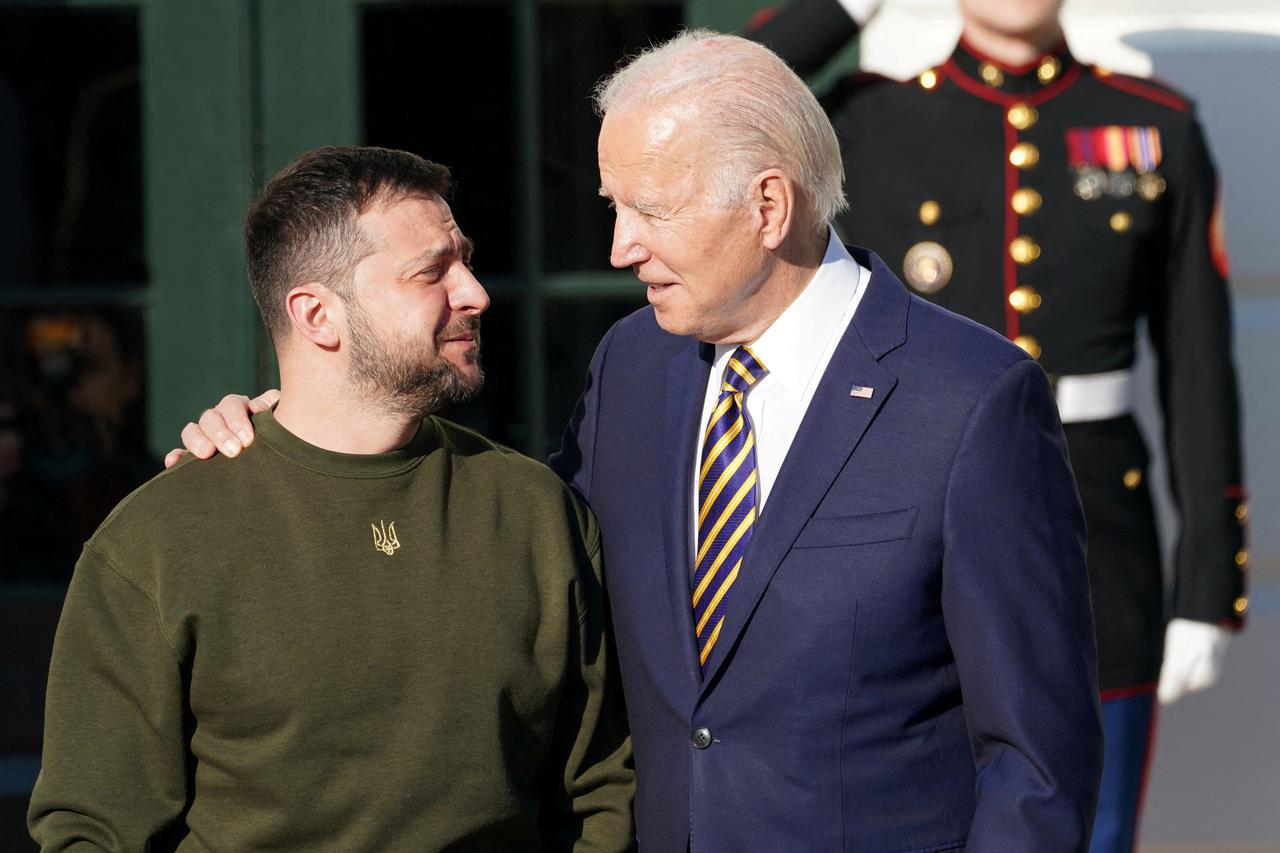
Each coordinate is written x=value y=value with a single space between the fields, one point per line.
x=354 y=465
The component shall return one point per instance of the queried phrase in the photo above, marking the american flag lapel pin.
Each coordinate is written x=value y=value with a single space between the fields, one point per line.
x=863 y=392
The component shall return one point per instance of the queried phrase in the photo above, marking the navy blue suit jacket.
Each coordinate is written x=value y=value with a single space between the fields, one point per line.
x=907 y=662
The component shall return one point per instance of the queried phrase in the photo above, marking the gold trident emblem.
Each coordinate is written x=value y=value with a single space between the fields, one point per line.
x=385 y=539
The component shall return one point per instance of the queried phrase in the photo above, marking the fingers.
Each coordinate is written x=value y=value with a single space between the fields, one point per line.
x=1202 y=676
x=1211 y=659
x=225 y=429
x=216 y=425
x=195 y=441
x=231 y=418
x=172 y=457
x=264 y=401
x=210 y=436
x=1194 y=655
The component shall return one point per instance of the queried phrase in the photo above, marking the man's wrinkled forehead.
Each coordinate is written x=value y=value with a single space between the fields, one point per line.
x=662 y=117
x=432 y=239
x=667 y=135
x=387 y=200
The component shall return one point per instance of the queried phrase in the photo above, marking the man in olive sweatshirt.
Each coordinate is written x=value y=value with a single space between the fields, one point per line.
x=377 y=631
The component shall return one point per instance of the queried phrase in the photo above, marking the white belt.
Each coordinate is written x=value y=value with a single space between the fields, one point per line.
x=1095 y=397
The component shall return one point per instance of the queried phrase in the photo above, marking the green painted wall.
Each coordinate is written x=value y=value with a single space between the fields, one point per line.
x=198 y=159
x=309 y=77
x=232 y=90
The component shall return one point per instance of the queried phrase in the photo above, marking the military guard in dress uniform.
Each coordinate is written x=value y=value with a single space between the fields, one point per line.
x=1060 y=203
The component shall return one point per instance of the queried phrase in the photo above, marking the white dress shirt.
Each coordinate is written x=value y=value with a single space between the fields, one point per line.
x=796 y=350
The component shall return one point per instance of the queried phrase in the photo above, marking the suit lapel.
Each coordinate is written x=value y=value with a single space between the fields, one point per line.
x=686 y=387
x=831 y=429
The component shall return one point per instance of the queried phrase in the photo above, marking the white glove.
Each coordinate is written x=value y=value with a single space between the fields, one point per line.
x=861 y=10
x=1193 y=657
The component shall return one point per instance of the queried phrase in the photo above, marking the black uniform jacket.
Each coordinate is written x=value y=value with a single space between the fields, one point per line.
x=1060 y=203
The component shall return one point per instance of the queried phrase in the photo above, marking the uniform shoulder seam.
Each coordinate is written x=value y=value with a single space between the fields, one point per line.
x=1147 y=88
x=867 y=78
x=871 y=79
x=860 y=81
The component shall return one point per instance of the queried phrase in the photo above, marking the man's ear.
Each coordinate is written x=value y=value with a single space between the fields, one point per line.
x=774 y=196
x=315 y=312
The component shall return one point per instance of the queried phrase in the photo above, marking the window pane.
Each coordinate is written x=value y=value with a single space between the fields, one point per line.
x=70 y=139
x=573 y=330
x=72 y=433
x=430 y=88
x=580 y=44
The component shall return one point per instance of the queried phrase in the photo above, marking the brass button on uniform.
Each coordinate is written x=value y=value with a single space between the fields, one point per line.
x=1028 y=344
x=991 y=75
x=930 y=211
x=1022 y=116
x=1241 y=605
x=928 y=79
x=1024 y=250
x=1242 y=557
x=1121 y=222
x=1048 y=70
x=927 y=267
x=1132 y=479
x=1242 y=512
x=1026 y=201
x=1024 y=299
x=1024 y=155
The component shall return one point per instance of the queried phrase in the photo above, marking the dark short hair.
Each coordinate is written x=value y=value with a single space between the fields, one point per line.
x=303 y=227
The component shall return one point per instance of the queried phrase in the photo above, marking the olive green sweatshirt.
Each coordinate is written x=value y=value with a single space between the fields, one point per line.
x=300 y=650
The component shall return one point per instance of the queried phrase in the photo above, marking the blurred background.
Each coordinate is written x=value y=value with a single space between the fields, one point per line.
x=133 y=134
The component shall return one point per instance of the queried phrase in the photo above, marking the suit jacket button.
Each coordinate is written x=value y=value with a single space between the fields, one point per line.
x=701 y=738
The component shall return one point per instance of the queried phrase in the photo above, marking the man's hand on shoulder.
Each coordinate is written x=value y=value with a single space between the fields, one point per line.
x=225 y=428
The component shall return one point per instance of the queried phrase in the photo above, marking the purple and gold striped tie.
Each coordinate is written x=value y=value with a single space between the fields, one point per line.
x=727 y=480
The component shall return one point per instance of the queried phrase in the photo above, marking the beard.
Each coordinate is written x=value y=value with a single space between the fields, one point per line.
x=400 y=377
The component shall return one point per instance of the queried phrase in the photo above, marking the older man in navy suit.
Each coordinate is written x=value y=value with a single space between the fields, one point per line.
x=844 y=550
x=843 y=546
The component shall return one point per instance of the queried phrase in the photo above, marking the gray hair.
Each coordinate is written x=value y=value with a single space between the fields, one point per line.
x=760 y=115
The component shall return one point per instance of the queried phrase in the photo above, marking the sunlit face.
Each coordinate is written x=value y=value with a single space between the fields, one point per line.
x=413 y=323
x=1018 y=18
x=701 y=262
